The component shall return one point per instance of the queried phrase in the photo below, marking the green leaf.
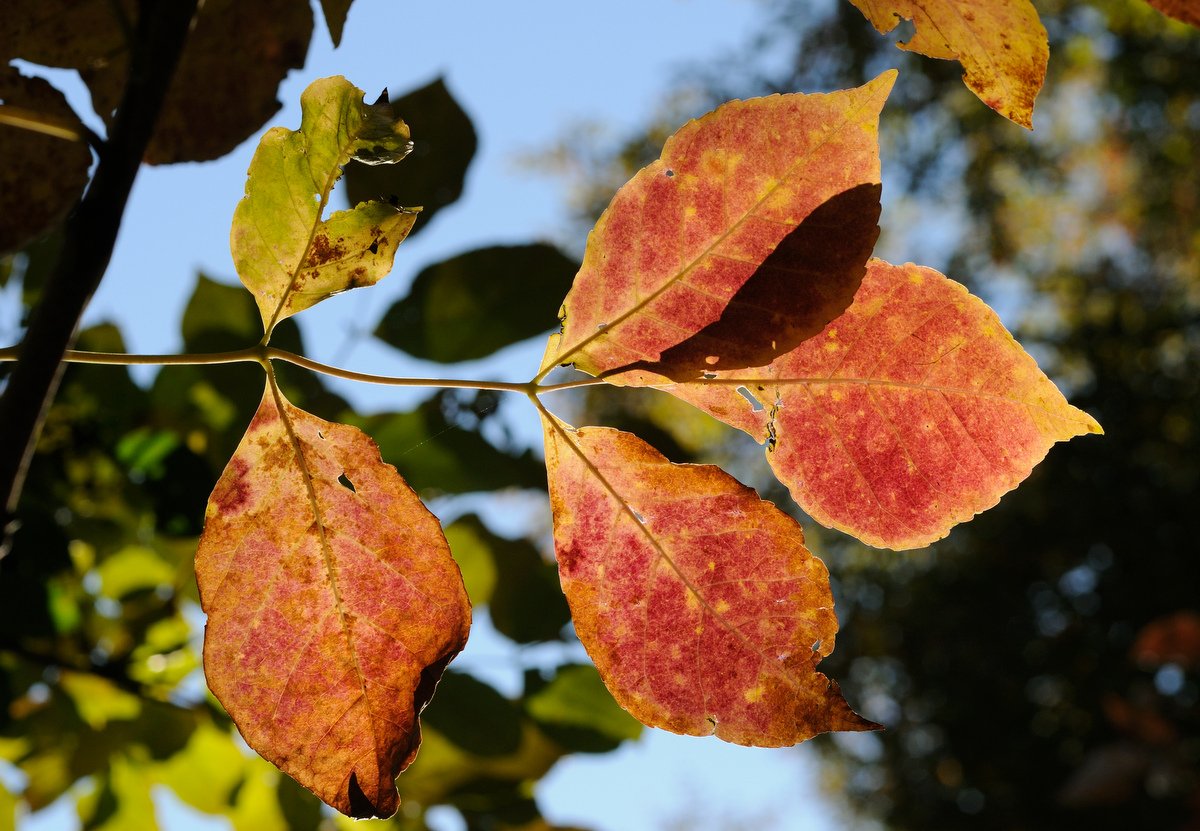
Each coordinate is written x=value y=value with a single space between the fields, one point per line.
x=474 y=716
x=131 y=569
x=522 y=592
x=437 y=455
x=576 y=710
x=285 y=253
x=469 y=306
x=468 y=544
x=335 y=12
x=444 y=143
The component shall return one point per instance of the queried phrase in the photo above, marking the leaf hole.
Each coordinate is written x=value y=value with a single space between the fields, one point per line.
x=670 y=173
x=601 y=325
x=321 y=435
x=749 y=396
x=712 y=720
x=374 y=247
x=638 y=516
x=345 y=482
x=817 y=646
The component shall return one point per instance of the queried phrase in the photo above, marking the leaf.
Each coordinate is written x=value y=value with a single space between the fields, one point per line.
x=438 y=455
x=450 y=312
x=444 y=144
x=43 y=176
x=475 y=717
x=333 y=605
x=224 y=88
x=690 y=230
x=1186 y=10
x=697 y=601
x=912 y=412
x=284 y=252
x=1001 y=45
x=335 y=12
x=577 y=711
x=523 y=597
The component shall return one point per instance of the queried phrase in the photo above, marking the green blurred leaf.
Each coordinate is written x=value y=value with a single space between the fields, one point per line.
x=526 y=602
x=474 y=716
x=145 y=449
x=436 y=455
x=123 y=803
x=335 y=12
x=134 y=568
x=301 y=809
x=469 y=306
x=8 y=809
x=576 y=710
x=42 y=176
x=444 y=143
x=98 y=701
x=285 y=252
x=207 y=771
x=256 y=805
x=474 y=557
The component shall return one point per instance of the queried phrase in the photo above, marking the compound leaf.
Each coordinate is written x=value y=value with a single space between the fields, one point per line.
x=697 y=600
x=691 y=230
x=912 y=412
x=333 y=605
x=285 y=253
x=1001 y=45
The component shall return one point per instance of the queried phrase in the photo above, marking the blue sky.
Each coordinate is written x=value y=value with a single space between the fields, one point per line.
x=524 y=72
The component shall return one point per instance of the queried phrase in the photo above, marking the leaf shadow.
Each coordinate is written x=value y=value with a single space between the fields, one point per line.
x=805 y=283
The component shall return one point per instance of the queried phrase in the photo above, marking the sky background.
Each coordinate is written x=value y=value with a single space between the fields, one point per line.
x=524 y=73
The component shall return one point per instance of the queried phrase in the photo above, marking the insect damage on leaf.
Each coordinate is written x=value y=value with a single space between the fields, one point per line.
x=333 y=605
x=697 y=600
x=723 y=209
x=286 y=254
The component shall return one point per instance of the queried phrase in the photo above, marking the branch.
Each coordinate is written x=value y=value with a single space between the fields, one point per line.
x=89 y=236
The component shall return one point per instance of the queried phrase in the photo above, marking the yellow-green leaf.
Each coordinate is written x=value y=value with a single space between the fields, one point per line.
x=285 y=252
x=1001 y=45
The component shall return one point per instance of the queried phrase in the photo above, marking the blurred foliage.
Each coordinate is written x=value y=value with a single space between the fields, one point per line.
x=432 y=177
x=449 y=313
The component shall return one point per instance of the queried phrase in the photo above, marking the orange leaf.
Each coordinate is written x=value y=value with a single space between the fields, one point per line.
x=689 y=231
x=697 y=601
x=333 y=605
x=912 y=412
x=1001 y=45
x=1186 y=10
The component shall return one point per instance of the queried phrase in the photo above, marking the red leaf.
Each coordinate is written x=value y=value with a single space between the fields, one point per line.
x=688 y=232
x=333 y=605
x=912 y=412
x=697 y=601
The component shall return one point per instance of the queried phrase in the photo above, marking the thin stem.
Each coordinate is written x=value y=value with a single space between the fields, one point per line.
x=570 y=385
x=35 y=122
x=74 y=356
x=299 y=360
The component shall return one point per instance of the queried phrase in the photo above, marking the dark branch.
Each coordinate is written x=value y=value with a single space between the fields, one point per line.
x=89 y=236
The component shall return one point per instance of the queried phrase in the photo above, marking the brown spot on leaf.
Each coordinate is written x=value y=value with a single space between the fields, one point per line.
x=323 y=251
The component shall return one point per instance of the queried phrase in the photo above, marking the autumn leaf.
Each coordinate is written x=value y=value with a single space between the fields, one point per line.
x=223 y=90
x=912 y=412
x=285 y=253
x=333 y=605
x=45 y=169
x=1001 y=45
x=691 y=230
x=697 y=601
x=1186 y=10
